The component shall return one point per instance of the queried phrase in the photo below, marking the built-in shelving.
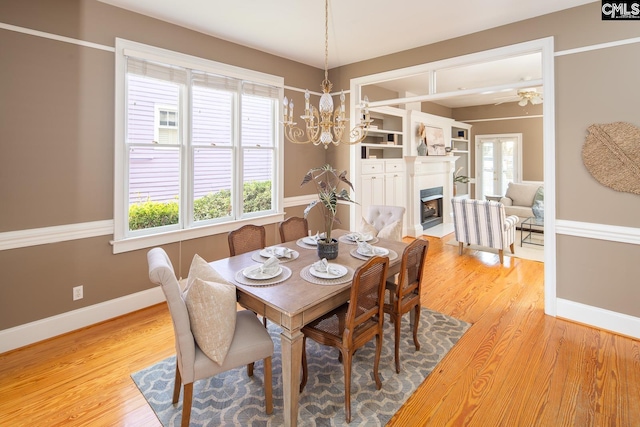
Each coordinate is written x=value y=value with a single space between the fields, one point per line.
x=386 y=137
x=460 y=147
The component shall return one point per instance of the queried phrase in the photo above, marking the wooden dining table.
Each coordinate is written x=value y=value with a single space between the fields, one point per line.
x=294 y=302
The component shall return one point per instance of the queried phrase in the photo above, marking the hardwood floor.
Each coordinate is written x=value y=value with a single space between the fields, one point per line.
x=514 y=367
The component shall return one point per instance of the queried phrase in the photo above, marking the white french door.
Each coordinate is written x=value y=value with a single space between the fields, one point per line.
x=498 y=162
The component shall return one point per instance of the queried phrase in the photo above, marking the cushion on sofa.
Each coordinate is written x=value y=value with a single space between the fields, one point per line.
x=522 y=194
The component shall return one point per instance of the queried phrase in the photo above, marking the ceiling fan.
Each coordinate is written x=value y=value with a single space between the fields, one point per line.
x=524 y=96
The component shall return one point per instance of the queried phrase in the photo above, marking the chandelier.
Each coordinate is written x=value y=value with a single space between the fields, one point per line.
x=323 y=125
x=529 y=95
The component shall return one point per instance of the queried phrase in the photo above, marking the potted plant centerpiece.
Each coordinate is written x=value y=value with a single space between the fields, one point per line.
x=327 y=181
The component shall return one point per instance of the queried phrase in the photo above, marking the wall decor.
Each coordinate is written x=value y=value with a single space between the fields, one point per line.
x=611 y=154
x=435 y=141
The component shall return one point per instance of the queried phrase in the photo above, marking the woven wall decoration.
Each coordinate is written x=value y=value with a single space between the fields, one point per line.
x=611 y=154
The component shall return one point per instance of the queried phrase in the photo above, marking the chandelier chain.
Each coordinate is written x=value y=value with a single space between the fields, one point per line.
x=326 y=40
x=325 y=125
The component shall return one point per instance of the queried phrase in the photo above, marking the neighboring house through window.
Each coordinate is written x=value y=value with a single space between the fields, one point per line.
x=166 y=130
x=197 y=146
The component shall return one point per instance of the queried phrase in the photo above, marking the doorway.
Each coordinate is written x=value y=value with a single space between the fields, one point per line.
x=498 y=162
x=546 y=61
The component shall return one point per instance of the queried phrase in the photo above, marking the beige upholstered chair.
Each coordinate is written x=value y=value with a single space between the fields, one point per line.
x=384 y=221
x=251 y=341
x=483 y=223
x=353 y=324
x=404 y=295
x=246 y=239
x=293 y=228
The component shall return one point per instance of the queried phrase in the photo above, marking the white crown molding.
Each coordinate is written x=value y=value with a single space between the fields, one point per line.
x=29 y=333
x=599 y=318
x=56 y=37
x=611 y=233
x=494 y=119
x=598 y=46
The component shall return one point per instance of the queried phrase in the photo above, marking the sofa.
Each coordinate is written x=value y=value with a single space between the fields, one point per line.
x=521 y=198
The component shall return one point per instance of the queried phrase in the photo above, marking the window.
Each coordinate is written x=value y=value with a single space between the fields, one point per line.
x=197 y=146
x=166 y=129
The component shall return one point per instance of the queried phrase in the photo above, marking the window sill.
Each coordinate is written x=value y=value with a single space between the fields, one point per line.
x=144 y=242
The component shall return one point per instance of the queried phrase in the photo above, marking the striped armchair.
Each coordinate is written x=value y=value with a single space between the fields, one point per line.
x=483 y=223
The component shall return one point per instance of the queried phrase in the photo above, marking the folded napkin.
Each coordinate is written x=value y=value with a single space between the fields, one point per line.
x=366 y=249
x=319 y=236
x=359 y=237
x=323 y=266
x=270 y=266
x=280 y=252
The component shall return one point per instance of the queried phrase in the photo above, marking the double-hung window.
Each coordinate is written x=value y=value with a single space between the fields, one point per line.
x=197 y=147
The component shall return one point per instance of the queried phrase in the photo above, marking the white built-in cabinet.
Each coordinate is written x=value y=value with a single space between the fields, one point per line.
x=382 y=170
x=382 y=182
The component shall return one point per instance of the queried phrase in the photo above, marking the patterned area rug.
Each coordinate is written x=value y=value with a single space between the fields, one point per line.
x=232 y=398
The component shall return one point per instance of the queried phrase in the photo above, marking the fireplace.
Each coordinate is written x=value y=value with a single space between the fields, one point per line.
x=431 y=207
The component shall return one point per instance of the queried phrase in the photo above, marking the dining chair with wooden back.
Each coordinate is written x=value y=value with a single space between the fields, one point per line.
x=293 y=228
x=246 y=239
x=404 y=295
x=353 y=324
x=250 y=343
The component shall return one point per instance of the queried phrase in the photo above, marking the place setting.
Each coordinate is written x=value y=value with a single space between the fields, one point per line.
x=323 y=272
x=267 y=273
x=355 y=237
x=364 y=251
x=280 y=252
x=310 y=242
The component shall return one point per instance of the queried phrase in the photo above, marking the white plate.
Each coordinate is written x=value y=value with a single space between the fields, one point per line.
x=269 y=252
x=378 y=251
x=340 y=270
x=310 y=241
x=254 y=273
x=350 y=237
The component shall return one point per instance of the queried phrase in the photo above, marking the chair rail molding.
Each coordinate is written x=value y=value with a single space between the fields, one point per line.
x=54 y=234
x=589 y=230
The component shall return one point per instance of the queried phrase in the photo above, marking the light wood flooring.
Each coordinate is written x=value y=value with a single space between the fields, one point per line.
x=514 y=367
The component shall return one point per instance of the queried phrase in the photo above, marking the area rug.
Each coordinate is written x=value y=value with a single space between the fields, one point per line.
x=232 y=398
x=526 y=251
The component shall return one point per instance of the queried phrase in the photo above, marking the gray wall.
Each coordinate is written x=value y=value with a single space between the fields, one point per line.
x=57 y=145
x=56 y=167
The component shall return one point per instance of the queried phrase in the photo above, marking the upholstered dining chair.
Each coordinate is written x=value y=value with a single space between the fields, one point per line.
x=353 y=324
x=404 y=295
x=384 y=221
x=246 y=239
x=293 y=228
x=251 y=341
x=483 y=223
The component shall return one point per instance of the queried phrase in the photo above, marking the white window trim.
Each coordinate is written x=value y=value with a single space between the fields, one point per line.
x=121 y=243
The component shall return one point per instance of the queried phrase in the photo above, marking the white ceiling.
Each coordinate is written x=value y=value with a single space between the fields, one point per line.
x=358 y=29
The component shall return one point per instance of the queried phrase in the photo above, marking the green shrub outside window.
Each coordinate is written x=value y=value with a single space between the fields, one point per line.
x=149 y=214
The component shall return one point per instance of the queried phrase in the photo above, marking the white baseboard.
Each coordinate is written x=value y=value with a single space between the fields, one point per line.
x=598 y=317
x=29 y=333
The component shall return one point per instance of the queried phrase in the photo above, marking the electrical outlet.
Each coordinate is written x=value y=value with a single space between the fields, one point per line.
x=78 y=293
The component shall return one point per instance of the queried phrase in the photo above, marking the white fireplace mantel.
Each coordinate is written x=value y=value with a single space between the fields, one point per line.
x=427 y=172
